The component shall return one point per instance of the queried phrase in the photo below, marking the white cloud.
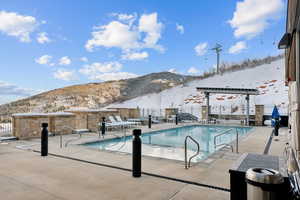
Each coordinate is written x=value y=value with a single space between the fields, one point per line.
x=84 y=59
x=251 y=17
x=126 y=35
x=95 y=69
x=42 y=38
x=201 y=49
x=43 y=60
x=114 y=34
x=114 y=76
x=237 y=47
x=19 y=26
x=173 y=70
x=105 y=71
x=193 y=70
x=135 y=55
x=65 y=75
x=65 y=60
x=7 y=89
x=126 y=18
x=180 y=28
x=149 y=24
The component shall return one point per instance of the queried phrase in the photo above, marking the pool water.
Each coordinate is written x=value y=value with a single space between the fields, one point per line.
x=169 y=143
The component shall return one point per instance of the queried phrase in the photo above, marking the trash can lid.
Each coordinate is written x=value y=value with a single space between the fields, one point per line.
x=264 y=175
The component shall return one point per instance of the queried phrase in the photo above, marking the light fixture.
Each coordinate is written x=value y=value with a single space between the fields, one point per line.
x=285 y=41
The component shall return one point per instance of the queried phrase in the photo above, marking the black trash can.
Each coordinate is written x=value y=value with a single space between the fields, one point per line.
x=264 y=184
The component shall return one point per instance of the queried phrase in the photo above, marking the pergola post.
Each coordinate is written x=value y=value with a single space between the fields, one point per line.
x=248 y=109
x=207 y=105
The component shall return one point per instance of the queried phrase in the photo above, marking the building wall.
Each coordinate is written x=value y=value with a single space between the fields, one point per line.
x=26 y=127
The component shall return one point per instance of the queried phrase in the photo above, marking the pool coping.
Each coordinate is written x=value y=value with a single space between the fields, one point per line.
x=219 y=153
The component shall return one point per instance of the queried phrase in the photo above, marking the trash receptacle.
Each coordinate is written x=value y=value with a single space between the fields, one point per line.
x=264 y=184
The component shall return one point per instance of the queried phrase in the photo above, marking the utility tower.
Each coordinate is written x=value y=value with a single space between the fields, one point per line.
x=218 y=49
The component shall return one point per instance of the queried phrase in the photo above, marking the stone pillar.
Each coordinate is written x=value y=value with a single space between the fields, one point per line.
x=204 y=112
x=259 y=114
x=207 y=105
x=248 y=109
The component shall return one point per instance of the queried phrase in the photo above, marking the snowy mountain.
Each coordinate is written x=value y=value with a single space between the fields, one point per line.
x=267 y=78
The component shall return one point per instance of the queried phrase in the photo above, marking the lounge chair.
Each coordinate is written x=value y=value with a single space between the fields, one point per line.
x=171 y=118
x=114 y=122
x=119 y=119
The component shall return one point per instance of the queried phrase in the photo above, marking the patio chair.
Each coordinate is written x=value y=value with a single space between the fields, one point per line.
x=115 y=122
x=171 y=118
x=119 y=119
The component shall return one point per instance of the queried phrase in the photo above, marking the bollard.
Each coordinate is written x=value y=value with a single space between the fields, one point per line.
x=44 y=140
x=176 y=119
x=276 y=127
x=103 y=127
x=136 y=153
x=150 y=121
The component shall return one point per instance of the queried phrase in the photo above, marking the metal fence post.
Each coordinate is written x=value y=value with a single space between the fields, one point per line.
x=103 y=127
x=44 y=140
x=150 y=121
x=137 y=153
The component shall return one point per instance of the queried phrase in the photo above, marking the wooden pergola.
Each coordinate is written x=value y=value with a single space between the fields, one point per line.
x=242 y=91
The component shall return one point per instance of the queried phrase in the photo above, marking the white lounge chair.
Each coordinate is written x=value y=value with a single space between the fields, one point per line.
x=114 y=122
x=119 y=119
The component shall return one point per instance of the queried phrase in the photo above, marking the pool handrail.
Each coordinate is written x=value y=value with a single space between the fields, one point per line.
x=225 y=144
x=186 y=163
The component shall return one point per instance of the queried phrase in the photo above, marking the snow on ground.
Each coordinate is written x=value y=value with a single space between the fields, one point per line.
x=268 y=79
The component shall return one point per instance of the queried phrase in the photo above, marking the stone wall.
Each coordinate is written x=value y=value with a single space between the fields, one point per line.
x=27 y=126
x=259 y=114
x=90 y=119
x=170 y=111
x=204 y=112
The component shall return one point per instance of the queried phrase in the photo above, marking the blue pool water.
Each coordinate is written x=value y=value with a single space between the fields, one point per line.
x=170 y=143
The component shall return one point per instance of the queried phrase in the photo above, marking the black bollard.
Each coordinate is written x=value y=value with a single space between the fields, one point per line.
x=136 y=153
x=176 y=119
x=44 y=140
x=103 y=126
x=276 y=127
x=149 y=121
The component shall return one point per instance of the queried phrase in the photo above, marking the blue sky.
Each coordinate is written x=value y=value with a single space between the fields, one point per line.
x=50 y=44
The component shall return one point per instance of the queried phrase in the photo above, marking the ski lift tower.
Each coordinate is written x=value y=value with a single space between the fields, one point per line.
x=218 y=49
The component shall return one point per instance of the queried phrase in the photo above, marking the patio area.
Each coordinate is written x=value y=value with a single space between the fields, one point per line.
x=62 y=175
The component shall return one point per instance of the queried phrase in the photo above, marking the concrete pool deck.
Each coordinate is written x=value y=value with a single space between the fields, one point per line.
x=25 y=175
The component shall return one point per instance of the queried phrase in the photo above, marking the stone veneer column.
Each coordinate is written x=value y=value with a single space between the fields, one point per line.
x=259 y=114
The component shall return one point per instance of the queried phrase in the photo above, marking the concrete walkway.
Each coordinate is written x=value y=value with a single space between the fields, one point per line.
x=25 y=175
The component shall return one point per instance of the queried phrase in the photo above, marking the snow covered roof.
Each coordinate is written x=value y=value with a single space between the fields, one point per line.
x=249 y=91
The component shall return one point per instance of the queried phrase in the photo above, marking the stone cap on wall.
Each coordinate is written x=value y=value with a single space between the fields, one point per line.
x=78 y=110
x=56 y=114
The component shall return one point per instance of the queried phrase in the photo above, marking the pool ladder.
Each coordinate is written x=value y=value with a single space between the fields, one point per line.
x=225 y=144
x=186 y=162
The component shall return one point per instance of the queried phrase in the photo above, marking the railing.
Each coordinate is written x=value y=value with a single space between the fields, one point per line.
x=188 y=163
x=73 y=139
x=61 y=137
x=225 y=144
x=5 y=128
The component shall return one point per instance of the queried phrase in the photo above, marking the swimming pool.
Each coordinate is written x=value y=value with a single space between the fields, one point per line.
x=169 y=143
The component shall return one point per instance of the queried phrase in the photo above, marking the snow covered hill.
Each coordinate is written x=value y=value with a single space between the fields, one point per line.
x=267 y=78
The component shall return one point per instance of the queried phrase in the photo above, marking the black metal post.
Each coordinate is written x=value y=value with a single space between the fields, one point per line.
x=137 y=153
x=150 y=121
x=44 y=140
x=176 y=119
x=103 y=126
x=276 y=127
